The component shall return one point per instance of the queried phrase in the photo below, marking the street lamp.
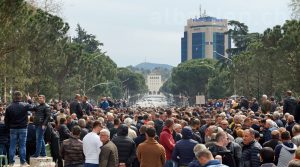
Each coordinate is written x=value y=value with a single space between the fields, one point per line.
x=234 y=84
x=103 y=83
x=219 y=54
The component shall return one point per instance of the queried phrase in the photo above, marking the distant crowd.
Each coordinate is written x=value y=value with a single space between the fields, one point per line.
x=230 y=132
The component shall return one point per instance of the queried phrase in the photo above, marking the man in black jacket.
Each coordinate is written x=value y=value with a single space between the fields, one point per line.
x=16 y=119
x=125 y=145
x=76 y=107
x=41 y=119
x=289 y=104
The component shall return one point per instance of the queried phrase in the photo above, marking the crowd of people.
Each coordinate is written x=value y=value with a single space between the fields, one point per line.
x=225 y=132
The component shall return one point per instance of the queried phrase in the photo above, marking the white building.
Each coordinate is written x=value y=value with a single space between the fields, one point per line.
x=154 y=83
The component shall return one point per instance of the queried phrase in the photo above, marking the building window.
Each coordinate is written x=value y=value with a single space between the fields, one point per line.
x=198 y=45
x=219 y=44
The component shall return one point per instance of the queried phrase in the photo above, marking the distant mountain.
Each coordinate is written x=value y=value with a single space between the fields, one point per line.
x=151 y=66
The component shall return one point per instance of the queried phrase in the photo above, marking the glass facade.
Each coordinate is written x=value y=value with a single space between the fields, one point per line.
x=218 y=44
x=184 y=47
x=198 y=45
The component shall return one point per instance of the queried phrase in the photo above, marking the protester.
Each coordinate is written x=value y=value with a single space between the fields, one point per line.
x=91 y=146
x=167 y=141
x=151 y=153
x=72 y=149
x=41 y=119
x=109 y=152
x=183 y=150
x=267 y=157
x=125 y=145
x=16 y=118
x=284 y=152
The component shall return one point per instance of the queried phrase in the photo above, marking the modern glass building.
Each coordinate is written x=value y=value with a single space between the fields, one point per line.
x=203 y=37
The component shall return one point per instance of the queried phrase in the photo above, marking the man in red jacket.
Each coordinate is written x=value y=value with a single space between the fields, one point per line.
x=167 y=141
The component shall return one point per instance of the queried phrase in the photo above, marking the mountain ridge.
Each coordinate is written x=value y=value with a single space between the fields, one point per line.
x=151 y=66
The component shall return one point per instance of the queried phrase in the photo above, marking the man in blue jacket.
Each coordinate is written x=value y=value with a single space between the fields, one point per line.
x=183 y=152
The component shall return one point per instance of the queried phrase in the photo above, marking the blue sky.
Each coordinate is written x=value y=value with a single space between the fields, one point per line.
x=137 y=30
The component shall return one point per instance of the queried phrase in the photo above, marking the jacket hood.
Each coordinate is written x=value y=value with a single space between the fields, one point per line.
x=187 y=133
x=122 y=130
x=194 y=163
x=289 y=146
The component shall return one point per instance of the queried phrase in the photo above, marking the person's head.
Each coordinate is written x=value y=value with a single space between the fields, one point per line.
x=77 y=97
x=264 y=98
x=297 y=153
x=275 y=134
x=116 y=121
x=82 y=123
x=17 y=96
x=143 y=129
x=74 y=116
x=84 y=99
x=97 y=127
x=248 y=122
x=110 y=116
x=290 y=118
x=294 y=163
x=122 y=130
x=296 y=129
x=219 y=119
x=285 y=136
x=289 y=93
x=286 y=115
x=272 y=98
x=76 y=131
x=169 y=123
x=62 y=121
x=276 y=115
x=249 y=136
x=211 y=129
x=240 y=133
x=128 y=121
x=62 y=110
x=204 y=156
x=222 y=139
x=177 y=128
x=104 y=135
x=268 y=123
x=150 y=132
x=187 y=133
x=195 y=123
x=267 y=155
x=42 y=99
x=198 y=147
x=150 y=123
x=224 y=124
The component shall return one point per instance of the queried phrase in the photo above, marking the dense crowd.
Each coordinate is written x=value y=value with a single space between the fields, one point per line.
x=226 y=132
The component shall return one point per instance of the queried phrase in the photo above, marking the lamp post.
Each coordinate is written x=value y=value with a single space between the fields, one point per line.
x=234 y=84
x=103 y=83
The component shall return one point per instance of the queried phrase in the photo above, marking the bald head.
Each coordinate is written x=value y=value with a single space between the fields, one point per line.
x=275 y=134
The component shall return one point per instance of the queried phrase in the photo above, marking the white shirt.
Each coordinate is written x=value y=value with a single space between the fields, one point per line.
x=91 y=148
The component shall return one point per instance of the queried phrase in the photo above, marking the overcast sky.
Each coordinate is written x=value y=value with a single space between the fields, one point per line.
x=137 y=30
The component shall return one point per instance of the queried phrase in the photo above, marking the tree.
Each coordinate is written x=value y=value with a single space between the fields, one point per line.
x=295 y=6
x=190 y=78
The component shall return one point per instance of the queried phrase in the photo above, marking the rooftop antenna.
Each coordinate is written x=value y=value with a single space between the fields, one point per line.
x=200 y=8
x=204 y=14
x=145 y=59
